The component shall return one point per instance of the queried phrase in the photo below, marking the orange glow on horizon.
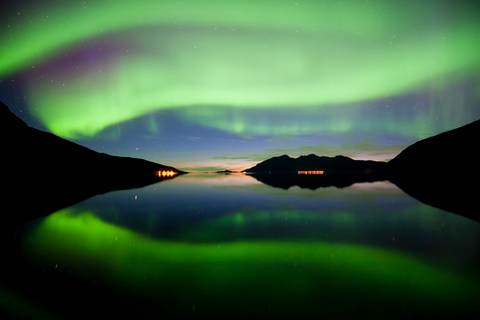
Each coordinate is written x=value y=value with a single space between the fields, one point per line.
x=166 y=173
x=311 y=172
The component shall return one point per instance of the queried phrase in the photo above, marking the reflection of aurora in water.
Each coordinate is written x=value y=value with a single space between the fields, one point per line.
x=234 y=273
x=110 y=63
x=229 y=245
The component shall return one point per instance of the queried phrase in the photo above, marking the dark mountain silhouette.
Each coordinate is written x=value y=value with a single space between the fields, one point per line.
x=31 y=151
x=335 y=165
x=285 y=172
x=43 y=173
x=224 y=171
x=442 y=170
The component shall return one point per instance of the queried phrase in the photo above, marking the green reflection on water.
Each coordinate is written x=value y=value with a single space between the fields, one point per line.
x=246 y=276
x=15 y=306
x=266 y=224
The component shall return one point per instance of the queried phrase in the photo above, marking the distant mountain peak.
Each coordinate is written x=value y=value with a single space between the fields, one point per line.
x=284 y=156
x=312 y=162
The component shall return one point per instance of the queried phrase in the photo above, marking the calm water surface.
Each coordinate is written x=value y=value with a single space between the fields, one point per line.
x=214 y=245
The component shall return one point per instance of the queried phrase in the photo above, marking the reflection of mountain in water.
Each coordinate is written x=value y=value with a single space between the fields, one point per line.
x=442 y=171
x=33 y=197
x=312 y=181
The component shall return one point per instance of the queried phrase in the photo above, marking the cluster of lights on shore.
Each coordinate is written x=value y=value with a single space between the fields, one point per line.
x=166 y=173
x=311 y=172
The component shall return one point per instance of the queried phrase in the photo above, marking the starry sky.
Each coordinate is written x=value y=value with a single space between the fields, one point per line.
x=214 y=85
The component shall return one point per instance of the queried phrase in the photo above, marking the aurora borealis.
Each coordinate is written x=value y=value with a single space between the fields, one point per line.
x=224 y=85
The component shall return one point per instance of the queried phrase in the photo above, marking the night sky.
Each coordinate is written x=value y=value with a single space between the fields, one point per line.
x=213 y=85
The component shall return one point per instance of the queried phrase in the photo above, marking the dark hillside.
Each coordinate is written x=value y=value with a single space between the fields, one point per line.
x=442 y=170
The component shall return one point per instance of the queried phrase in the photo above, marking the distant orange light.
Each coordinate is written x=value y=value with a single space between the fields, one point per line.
x=311 y=172
x=166 y=173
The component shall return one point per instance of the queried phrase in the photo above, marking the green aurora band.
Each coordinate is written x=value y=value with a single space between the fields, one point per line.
x=233 y=56
x=202 y=272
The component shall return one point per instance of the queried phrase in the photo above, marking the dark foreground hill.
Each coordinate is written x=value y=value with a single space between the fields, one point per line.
x=43 y=173
x=31 y=151
x=442 y=170
x=335 y=165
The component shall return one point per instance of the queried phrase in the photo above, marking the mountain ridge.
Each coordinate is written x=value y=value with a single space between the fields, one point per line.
x=441 y=170
x=434 y=153
x=32 y=151
x=328 y=165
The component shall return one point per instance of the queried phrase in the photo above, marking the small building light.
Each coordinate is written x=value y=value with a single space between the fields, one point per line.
x=312 y=172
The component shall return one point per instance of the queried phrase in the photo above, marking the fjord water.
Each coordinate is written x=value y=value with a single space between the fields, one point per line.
x=215 y=245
